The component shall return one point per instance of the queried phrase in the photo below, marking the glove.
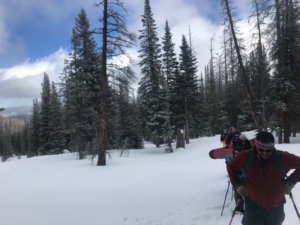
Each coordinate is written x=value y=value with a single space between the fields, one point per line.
x=227 y=158
x=242 y=191
x=288 y=186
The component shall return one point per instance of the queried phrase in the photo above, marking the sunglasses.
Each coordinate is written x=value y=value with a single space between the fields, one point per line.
x=265 y=150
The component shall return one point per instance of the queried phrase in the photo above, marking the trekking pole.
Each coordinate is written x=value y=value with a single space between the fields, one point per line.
x=292 y=198
x=225 y=197
x=234 y=211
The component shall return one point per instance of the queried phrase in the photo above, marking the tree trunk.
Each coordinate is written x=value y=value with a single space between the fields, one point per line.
x=157 y=142
x=180 y=140
x=103 y=132
x=170 y=149
x=248 y=89
x=280 y=136
x=187 y=134
x=286 y=127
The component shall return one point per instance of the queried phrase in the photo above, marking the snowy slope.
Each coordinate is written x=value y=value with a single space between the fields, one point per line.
x=147 y=187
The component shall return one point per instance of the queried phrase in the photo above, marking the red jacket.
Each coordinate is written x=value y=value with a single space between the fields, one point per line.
x=264 y=184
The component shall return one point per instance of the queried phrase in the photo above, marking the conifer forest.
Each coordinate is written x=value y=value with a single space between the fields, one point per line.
x=94 y=107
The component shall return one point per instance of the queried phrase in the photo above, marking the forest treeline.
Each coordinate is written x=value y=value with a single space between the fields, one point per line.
x=94 y=107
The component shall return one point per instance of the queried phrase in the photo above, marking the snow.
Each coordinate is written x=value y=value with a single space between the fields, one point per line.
x=146 y=187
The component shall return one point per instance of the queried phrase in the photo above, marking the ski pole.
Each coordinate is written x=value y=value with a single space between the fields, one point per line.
x=234 y=211
x=292 y=198
x=225 y=197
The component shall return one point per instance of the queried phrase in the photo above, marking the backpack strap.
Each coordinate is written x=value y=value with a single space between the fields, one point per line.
x=249 y=162
x=279 y=162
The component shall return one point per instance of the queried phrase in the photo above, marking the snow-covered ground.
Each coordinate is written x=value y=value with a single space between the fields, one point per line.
x=146 y=187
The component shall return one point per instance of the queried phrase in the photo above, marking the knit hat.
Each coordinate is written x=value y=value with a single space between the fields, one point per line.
x=265 y=140
x=236 y=132
x=243 y=137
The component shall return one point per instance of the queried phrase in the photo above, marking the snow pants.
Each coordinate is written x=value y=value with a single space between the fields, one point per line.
x=256 y=215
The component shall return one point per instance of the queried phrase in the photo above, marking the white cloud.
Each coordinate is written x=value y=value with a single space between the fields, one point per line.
x=25 y=79
x=180 y=15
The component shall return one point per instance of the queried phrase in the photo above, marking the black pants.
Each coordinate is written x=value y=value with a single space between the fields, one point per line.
x=255 y=215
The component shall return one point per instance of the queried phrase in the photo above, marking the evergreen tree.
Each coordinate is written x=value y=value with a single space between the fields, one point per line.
x=130 y=127
x=170 y=64
x=285 y=53
x=26 y=140
x=188 y=87
x=152 y=90
x=56 y=140
x=201 y=116
x=34 y=130
x=170 y=70
x=212 y=101
x=259 y=73
x=81 y=88
x=5 y=144
x=44 y=117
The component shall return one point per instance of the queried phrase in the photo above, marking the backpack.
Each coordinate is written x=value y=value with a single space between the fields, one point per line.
x=250 y=163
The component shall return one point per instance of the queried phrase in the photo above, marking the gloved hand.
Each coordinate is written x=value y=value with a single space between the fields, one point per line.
x=241 y=190
x=288 y=186
x=227 y=158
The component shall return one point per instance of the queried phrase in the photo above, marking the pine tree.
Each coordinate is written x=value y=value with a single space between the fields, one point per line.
x=130 y=127
x=170 y=71
x=285 y=53
x=259 y=73
x=188 y=87
x=170 y=64
x=56 y=139
x=5 y=144
x=152 y=89
x=44 y=117
x=34 y=130
x=81 y=88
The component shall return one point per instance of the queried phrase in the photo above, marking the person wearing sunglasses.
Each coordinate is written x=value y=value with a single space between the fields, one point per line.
x=265 y=184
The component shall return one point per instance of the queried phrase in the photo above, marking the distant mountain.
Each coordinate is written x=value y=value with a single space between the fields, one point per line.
x=19 y=112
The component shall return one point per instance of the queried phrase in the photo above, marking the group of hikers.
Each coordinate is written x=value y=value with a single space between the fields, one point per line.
x=258 y=173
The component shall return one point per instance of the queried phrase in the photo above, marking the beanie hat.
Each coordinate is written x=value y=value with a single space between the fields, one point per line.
x=243 y=137
x=237 y=132
x=265 y=140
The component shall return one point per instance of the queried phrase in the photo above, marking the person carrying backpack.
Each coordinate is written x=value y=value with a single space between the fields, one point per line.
x=234 y=139
x=242 y=143
x=229 y=136
x=265 y=184
x=223 y=136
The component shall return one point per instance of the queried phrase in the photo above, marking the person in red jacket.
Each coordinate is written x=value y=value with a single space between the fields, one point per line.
x=265 y=184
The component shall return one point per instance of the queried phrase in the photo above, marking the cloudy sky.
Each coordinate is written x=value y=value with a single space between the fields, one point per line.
x=35 y=36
